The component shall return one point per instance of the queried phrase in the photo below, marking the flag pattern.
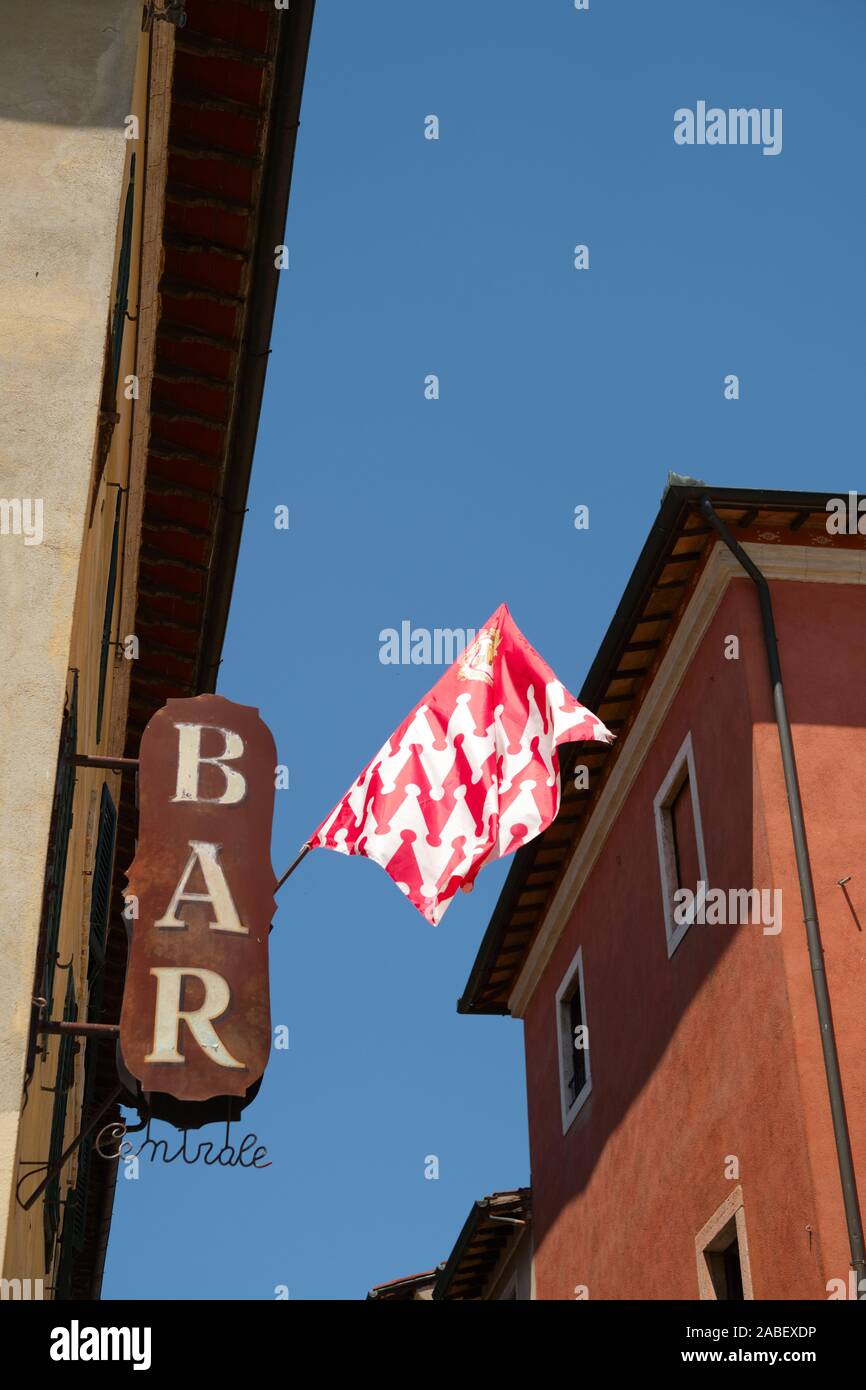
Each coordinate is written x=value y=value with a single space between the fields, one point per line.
x=470 y=775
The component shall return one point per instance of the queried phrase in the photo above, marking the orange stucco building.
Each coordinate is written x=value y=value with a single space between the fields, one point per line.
x=686 y=1148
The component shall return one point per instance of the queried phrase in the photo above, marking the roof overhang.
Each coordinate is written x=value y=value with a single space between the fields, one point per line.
x=404 y=1290
x=236 y=78
x=624 y=668
x=489 y=1229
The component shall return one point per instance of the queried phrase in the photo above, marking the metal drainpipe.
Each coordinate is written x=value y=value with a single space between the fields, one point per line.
x=807 y=894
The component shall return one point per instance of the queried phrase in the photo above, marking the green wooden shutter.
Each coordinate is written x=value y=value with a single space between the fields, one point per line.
x=121 y=298
x=100 y=901
x=77 y=1198
x=58 y=847
x=107 y=617
x=64 y=1078
x=76 y=1207
x=63 y=1282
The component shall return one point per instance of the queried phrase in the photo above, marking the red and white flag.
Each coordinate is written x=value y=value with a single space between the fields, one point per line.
x=470 y=775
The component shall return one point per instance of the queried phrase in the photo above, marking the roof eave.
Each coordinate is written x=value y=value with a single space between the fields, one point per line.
x=676 y=501
x=282 y=139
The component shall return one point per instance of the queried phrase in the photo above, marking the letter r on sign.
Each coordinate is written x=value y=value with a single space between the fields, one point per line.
x=217 y=996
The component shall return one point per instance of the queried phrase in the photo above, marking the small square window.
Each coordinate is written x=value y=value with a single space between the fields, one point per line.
x=573 y=1042
x=682 y=861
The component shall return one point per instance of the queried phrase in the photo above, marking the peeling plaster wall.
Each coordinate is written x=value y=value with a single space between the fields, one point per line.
x=66 y=78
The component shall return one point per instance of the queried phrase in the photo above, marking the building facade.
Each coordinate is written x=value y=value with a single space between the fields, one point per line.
x=491 y=1260
x=492 y=1257
x=682 y=1138
x=147 y=160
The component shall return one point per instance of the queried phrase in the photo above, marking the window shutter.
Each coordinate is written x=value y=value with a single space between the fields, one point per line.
x=121 y=298
x=63 y=1282
x=64 y=1078
x=109 y=614
x=76 y=1207
x=58 y=845
x=100 y=901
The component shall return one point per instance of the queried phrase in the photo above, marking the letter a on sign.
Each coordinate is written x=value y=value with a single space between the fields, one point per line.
x=195 y=1021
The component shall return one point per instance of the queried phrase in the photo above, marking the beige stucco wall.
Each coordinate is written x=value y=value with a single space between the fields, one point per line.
x=66 y=80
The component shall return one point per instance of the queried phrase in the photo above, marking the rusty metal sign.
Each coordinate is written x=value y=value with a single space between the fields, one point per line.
x=195 y=1022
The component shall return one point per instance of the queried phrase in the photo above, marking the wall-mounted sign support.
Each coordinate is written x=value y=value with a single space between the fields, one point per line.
x=79 y=1030
x=52 y=1170
x=195 y=1034
x=113 y=764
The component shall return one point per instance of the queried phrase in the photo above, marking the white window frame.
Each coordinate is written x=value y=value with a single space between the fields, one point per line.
x=682 y=767
x=565 y=1042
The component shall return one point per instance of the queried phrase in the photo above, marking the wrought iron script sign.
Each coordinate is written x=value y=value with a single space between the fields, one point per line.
x=195 y=1021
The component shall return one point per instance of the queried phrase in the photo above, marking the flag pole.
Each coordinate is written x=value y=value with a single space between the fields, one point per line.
x=305 y=849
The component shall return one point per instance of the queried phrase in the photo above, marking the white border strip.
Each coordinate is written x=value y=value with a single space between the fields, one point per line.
x=564 y=1041
x=682 y=768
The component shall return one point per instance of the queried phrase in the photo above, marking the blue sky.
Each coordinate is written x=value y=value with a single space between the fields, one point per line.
x=558 y=388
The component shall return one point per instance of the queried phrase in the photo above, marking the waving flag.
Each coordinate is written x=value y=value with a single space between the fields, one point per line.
x=470 y=775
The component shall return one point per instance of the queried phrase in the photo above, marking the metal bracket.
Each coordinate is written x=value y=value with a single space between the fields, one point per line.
x=80 y=1030
x=113 y=764
x=52 y=1171
x=173 y=13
